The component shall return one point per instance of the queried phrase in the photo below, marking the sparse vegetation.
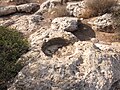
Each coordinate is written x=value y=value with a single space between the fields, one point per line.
x=100 y=6
x=12 y=46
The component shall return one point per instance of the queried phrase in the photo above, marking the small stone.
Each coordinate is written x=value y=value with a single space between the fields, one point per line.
x=94 y=40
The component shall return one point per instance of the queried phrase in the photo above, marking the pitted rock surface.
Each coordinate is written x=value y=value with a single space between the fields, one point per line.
x=7 y=10
x=81 y=65
x=28 y=8
x=12 y=9
x=78 y=65
x=103 y=23
x=65 y=23
x=57 y=59
x=79 y=9
x=47 y=5
x=25 y=24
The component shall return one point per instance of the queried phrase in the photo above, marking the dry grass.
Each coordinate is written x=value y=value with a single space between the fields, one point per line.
x=100 y=6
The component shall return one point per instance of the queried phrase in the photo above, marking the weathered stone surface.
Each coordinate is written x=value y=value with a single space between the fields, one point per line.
x=71 y=6
x=78 y=9
x=57 y=59
x=6 y=10
x=47 y=5
x=19 y=1
x=78 y=65
x=65 y=23
x=28 y=8
x=103 y=23
x=25 y=24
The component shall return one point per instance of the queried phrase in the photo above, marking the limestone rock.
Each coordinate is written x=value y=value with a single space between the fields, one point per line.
x=6 y=10
x=103 y=23
x=25 y=24
x=28 y=8
x=58 y=61
x=77 y=66
x=78 y=9
x=65 y=23
x=47 y=5
x=71 y=6
x=18 y=2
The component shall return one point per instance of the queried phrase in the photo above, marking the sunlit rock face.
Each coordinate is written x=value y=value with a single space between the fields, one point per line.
x=57 y=58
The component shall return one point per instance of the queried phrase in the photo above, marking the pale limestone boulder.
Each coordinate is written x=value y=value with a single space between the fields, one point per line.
x=79 y=9
x=48 y=5
x=65 y=23
x=25 y=24
x=18 y=2
x=71 y=6
x=6 y=10
x=28 y=8
x=78 y=66
x=103 y=23
x=58 y=61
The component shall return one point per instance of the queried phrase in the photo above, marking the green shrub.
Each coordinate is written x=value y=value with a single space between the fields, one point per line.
x=12 y=46
x=100 y=6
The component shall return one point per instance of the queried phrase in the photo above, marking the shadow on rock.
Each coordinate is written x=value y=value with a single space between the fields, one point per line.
x=84 y=33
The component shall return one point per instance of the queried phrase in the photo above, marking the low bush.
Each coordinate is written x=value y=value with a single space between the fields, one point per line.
x=12 y=46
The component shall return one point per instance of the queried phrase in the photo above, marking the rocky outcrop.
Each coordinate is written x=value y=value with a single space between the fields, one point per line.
x=79 y=9
x=65 y=23
x=19 y=1
x=58 y=61
x=27 y=8
x=48 y=5
x=103 y=23
x=7 y=10
x=72 y=6
x=25 y=24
